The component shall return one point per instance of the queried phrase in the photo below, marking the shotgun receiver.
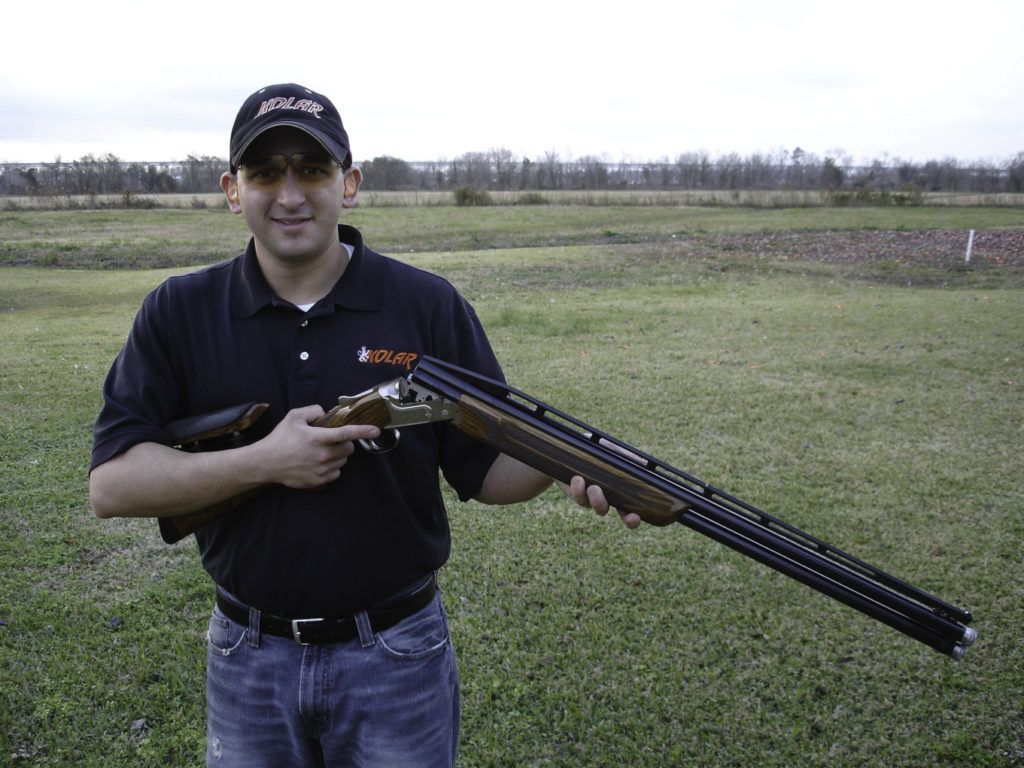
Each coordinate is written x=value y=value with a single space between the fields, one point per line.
x=561 y=446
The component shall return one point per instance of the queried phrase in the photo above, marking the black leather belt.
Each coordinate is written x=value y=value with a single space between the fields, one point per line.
x=322 y=631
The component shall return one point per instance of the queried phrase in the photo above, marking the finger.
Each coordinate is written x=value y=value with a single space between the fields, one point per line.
x=361 y=432
x=630 y=519
x=578 y=491
x=330 y=475
x=348 y=433
x=596 y=499
x=341 y=451
x=308 y=413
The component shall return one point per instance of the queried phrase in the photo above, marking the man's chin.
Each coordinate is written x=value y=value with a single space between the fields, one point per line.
x=294 y=250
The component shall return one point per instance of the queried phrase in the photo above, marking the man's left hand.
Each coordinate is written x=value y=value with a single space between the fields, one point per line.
x=593 y=497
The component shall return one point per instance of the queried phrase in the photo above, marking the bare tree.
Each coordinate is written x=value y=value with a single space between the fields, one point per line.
x=1015 y=173
x=554 y=172
x=504 y=164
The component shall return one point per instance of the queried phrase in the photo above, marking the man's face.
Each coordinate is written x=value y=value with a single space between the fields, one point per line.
x=292 y=211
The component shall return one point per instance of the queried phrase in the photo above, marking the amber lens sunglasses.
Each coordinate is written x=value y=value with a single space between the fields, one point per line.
x=310 y=170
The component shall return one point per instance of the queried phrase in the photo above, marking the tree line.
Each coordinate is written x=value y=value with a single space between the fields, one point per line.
x=109 y=174
x=500 y=169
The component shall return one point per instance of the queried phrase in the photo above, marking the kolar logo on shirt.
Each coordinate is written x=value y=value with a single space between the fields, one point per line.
x=386 y=357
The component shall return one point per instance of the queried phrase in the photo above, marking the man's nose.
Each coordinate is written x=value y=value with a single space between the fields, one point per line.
x=290 y=191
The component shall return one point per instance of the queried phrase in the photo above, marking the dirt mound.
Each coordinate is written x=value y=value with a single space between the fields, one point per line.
x=998 y=247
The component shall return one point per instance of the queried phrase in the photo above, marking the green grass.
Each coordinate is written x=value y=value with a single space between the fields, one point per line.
x=136 y=239
x=887 y=419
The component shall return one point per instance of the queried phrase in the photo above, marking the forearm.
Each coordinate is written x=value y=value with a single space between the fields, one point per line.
x=152 y=480
x=510 y=481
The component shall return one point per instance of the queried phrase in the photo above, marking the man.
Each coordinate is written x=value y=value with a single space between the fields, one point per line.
x=328 y=644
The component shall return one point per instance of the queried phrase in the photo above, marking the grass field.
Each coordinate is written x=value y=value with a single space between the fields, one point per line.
x=168 y=237
x=876 y=404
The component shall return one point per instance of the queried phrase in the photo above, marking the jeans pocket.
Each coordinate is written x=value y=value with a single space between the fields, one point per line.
x=224 y=636
x=420 y=636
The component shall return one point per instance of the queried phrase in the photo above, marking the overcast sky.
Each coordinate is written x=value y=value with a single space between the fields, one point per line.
x=630 y=80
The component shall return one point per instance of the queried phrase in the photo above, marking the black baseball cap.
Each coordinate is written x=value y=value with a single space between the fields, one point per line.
x=293 y=105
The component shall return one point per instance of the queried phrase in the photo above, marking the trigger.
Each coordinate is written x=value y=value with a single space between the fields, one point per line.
x=387 y=441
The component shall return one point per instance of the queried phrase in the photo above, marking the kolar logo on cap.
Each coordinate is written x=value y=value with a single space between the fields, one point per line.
x=279 y=102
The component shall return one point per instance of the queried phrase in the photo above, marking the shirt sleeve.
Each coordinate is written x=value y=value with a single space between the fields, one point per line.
x=139 y=393
x=463 y=342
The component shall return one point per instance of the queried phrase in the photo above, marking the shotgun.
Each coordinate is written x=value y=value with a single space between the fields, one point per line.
x=561 y=446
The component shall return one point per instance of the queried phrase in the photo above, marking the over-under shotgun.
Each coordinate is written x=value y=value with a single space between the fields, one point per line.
x=561 y=446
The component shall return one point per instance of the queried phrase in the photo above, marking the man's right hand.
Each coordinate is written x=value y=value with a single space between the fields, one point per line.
x=300 y=455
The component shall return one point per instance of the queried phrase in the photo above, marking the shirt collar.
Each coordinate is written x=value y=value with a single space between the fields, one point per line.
x=358 y=288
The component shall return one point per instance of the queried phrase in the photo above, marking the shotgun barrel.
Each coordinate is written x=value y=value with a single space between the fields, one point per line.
x=561 y=446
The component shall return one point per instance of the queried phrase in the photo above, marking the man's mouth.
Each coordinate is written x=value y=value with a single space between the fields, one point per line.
x=291 y=222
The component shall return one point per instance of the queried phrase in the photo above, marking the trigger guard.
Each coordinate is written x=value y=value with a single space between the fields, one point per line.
x=387 y=441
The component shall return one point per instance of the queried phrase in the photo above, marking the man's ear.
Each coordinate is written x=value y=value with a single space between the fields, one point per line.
x=229 y=183
x=353 y=178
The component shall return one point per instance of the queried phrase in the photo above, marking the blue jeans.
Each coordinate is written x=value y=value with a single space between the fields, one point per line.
x=386 y=699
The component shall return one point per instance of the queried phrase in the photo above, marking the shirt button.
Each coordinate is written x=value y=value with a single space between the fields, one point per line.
x=304 y=356
x=304 y=323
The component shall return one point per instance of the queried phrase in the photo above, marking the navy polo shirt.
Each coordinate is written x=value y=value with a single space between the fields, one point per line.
x=220 y=336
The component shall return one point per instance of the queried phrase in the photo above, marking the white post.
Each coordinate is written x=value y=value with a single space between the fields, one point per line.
x=970 y=245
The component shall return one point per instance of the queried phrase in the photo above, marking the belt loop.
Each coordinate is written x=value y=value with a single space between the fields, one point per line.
x=366 y=638
x=254 y=628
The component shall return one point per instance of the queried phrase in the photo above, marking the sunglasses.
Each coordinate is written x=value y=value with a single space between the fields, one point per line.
x=310 y=170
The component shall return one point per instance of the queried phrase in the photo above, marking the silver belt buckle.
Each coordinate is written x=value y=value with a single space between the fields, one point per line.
x=296 y=633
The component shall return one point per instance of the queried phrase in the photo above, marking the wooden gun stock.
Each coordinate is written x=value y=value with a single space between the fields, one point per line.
x=226 y=429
